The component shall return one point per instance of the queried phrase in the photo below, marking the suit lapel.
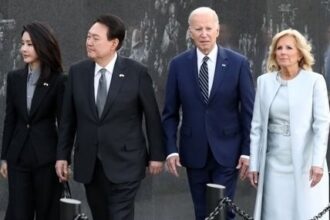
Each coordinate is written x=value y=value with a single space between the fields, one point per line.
x=221 y=68
x=39 y=94
x=194 y=70
x=117 y=80
x=21 y=85
x=298 y=92
x=271 y=92
x=90 y=75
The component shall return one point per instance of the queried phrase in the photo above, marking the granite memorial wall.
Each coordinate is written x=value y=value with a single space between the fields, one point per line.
x=156 y=31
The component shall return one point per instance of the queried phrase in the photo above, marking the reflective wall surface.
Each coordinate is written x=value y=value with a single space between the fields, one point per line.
x=156 y=31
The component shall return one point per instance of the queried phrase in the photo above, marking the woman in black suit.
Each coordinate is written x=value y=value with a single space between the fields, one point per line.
x=33 y=109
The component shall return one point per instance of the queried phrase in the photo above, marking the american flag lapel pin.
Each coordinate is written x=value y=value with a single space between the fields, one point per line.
x=121 y=75
x=45 y=84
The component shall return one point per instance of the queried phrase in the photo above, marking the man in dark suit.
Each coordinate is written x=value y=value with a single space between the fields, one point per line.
x=216 y=97
x=105 y=101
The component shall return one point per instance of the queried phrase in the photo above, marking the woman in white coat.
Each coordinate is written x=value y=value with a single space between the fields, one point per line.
x=289 y=134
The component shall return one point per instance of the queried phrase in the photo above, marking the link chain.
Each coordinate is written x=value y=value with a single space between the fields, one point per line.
x=217 y=209
x=237 y=209
x=81 y=216
x=242 y=213
x=230 y=204
x=320 y=214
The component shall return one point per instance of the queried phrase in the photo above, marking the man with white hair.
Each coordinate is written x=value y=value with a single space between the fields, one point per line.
x=214 y=89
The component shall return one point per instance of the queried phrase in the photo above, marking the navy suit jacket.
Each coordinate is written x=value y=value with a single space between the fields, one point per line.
x=223 y=124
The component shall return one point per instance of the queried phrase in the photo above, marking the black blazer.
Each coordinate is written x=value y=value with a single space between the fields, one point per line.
x=40 y=124
x=117 y=137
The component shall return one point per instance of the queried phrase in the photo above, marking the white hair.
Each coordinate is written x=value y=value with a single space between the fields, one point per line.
x=203 y=10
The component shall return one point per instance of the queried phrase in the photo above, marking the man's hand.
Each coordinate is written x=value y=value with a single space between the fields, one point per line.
x=172 y=162
x=155 y=167
x=4 y=169
x=254 y=178
x=243 y=166
x=62 y=170
x=315 y=175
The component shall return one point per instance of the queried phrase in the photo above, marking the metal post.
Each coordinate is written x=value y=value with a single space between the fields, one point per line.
x=69 y=208
x=214 y=193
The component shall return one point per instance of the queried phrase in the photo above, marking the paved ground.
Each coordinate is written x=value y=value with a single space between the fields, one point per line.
x=160 y=198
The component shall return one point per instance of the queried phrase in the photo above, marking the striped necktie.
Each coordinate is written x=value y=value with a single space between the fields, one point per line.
x=204 y=80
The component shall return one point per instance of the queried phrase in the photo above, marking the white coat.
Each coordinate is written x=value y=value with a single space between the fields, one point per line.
x=309 y=128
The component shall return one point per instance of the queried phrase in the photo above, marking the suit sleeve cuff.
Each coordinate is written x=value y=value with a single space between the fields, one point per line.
x=171 y=155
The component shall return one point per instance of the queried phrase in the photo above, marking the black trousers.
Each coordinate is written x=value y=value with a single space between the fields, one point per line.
x=108 y=200
x=34 y=191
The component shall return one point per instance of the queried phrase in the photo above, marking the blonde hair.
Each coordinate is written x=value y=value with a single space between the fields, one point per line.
x=303 y=46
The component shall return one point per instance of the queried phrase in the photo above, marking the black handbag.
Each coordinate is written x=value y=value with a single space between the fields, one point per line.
x=70 y=209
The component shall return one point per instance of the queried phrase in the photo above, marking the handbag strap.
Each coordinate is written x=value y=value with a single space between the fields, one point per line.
x=66 y=190
x=81 y=216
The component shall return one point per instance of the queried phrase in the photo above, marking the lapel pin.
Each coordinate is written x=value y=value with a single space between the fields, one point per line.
x=121 y=75
x=223 y=65
x=45 y=84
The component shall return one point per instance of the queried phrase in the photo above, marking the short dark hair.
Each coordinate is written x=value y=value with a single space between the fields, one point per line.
x=116 y=27
x=46 y=47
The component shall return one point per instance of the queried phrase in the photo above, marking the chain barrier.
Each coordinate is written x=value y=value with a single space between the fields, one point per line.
x=228 y=202
x=81 y=216
x=217 y=209
x=320 y=214
x=237 y=209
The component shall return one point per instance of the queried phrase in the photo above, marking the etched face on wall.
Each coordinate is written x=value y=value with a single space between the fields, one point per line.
x=1 y=39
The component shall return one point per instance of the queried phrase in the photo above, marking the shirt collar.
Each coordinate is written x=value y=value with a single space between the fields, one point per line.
x=35 y=74
x=212 y=55
x=109 y=67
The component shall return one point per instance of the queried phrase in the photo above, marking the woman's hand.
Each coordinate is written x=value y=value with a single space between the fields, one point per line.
x=4 y=169
x=254 y=178
x=315 y=175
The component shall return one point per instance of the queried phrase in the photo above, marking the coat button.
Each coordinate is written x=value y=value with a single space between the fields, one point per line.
x=27 y=125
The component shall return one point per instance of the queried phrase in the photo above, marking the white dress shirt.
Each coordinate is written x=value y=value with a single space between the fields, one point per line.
x=211 y=63
x=108 y=74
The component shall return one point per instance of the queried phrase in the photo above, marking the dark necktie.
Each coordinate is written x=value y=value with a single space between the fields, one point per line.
x=101 y=92
x=204 y=80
